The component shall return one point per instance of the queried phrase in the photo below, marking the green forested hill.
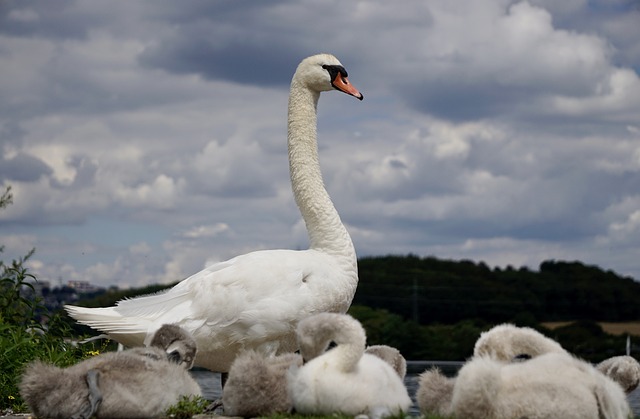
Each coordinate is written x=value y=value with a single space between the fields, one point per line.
x=430 y=308
x=430 y=290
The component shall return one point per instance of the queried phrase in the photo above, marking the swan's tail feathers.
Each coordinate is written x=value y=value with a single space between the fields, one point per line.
x=130 y=331
x=104 y=319
x=131 y=321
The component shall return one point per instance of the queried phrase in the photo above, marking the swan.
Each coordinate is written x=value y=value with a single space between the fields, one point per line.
x=390 y=355
x=139 y=382
x=506 y=342
x=257 y=384
x=552 y=385
x=624 y=370
x=506 y=366
x=179 y=345
x=254 y=301
x=434 y=393
x=343 y=379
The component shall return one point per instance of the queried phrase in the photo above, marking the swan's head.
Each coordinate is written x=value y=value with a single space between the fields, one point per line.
x=177 y=343
x=323 y=72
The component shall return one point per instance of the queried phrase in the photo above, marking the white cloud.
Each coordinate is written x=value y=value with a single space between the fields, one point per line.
x=206 y=231
x=494 y=129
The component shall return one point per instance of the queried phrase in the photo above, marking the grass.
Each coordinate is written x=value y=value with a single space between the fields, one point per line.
x=23 y=338
x=188 y=407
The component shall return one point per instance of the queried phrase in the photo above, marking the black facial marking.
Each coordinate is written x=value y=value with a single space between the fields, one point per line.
x=334 y=70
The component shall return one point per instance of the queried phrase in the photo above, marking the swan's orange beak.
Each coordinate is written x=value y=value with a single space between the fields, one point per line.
x=341 y=83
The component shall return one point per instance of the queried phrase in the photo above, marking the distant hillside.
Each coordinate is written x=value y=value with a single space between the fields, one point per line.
x=454 y=301
x=430 y=290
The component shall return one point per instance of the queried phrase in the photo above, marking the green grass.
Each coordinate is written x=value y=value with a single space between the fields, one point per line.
x=23 y=338
x=187 y=407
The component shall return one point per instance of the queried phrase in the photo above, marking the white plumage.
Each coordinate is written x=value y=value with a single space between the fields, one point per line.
x=343 y=379
x=254 y=301
x=505 y=341
x=553 y=385
x=550 y=384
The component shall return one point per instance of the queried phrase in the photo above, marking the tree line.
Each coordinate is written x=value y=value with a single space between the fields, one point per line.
x=430 y=290
x=431 y=308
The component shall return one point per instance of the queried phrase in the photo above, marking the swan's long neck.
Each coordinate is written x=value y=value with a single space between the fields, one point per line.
x=345 y=331
x=326 y=231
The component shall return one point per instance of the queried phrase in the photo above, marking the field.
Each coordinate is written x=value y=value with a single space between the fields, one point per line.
x=623 y=328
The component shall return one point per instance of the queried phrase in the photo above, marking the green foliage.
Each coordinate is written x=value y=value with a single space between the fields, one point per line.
x=430 y=290
x=587 y=340
x=23 y=338
x=300 y=416
x=6 y=198
x=27 y=330
x=14 y=308
x=188 y=406
x=437 y=342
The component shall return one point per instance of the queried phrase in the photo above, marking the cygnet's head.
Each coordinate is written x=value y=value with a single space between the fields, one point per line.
x=390 y=355
x=177 y=343
x=508 y=343
x=317 y=332
x=624 y=370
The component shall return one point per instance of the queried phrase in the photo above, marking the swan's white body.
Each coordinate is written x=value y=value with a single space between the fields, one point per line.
x=254 y=301
x=553 y=385
x=344 y=379
x=506 y=341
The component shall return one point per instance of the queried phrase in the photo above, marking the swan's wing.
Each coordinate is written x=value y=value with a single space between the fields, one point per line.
x=249 y=297
x=265 y=293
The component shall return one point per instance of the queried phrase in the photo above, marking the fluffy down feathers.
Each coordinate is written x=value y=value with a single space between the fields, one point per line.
x=139 y=382
x=343 y=379
x=257 y=385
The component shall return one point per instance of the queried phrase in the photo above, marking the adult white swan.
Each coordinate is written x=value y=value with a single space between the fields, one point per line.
x=255 y=301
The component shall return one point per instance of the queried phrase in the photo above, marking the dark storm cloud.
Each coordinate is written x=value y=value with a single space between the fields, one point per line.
x=457 y=100
x=247 y=62
x=213 y=41
x=51 y=19
x=23 y=168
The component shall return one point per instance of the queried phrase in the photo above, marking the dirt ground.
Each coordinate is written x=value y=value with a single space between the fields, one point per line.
x=632 y=328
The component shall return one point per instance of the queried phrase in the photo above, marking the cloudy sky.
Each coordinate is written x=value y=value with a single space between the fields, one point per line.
x=145 y=139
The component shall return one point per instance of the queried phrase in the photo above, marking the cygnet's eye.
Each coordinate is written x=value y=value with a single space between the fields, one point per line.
x=521 y=358
x=174 y=357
